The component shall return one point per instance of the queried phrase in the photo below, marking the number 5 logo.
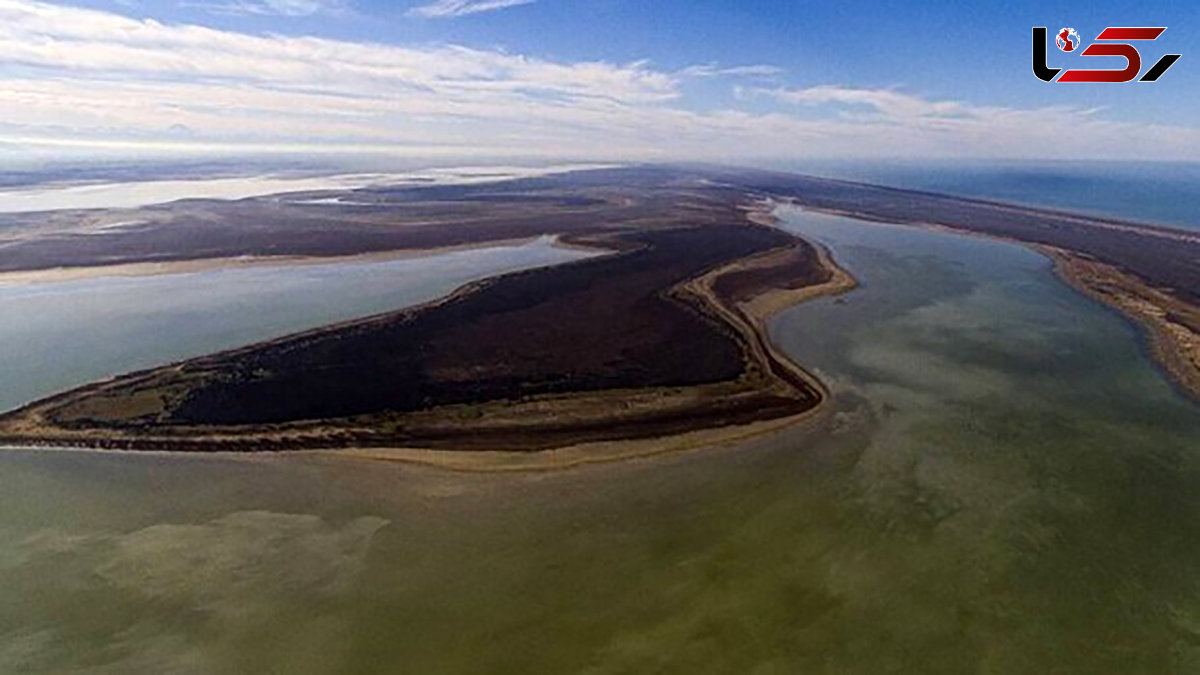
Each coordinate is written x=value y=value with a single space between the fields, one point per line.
x=1133 y=59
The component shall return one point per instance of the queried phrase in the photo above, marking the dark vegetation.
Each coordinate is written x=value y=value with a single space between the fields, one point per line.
x=801 y=269
x=613 y=323
x=604 y=323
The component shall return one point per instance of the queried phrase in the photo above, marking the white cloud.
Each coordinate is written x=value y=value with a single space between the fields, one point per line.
x=107 y=46
x=444 y=9
x=273 y=7
x=762 y=71
x=884 y=101
x=92 y=79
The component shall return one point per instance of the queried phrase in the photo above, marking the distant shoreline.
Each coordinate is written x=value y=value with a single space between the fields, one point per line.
x=149 y=269
x=592 y=424
x=753 y=315
x=787 y=391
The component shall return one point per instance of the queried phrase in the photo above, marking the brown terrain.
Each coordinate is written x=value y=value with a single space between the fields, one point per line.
x=648 y=340
x=661 y=335
x=1151 y=274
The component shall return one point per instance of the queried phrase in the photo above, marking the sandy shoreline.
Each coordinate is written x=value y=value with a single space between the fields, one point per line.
x=747 y=317
x=752 y=314
x=1173 y=345
x=574 y=456
x=569 y=457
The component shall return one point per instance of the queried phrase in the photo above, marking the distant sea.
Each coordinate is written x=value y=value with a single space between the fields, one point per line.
x=1161 y=192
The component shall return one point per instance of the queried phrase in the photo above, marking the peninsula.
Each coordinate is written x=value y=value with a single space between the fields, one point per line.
x=662 y=334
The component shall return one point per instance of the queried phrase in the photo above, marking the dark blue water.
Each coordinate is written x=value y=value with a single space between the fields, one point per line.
x=1166 y=193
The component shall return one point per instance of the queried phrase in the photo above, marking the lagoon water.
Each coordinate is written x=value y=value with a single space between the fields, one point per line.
x=1008 y=486
x=55 y=335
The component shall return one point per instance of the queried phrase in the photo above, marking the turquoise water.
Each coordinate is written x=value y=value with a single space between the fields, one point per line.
x=1007 y=486
x=59 y=334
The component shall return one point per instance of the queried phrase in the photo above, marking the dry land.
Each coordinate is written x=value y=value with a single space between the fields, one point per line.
x=659 y=340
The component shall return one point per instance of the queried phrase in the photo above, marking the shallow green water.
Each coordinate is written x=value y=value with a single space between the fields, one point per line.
x=1008 y=487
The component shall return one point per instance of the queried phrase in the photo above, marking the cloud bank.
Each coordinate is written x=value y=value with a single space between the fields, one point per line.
x=273 y=7
x=446 y=9
x=78 y=78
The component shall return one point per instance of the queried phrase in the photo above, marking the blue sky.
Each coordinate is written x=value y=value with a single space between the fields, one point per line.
x=603 y=79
